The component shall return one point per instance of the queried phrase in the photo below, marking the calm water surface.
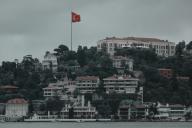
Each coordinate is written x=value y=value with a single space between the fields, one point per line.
x=99 y=125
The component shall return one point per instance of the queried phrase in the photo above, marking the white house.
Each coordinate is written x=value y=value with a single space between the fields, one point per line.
x=60 y=88
x=120 y=84
x=121 y=62
x=173 y=112
x=163 y=111
x=80 y=110
x=177 y=111
x=17 y=107
x=50 y=62
x=87 y=84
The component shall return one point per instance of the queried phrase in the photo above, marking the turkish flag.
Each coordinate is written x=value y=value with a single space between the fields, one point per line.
x=75 y=17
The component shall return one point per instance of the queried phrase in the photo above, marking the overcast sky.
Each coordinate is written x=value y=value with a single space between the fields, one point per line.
x=36 y=26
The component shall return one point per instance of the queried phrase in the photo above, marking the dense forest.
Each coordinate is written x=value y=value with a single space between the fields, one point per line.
x=31 y=80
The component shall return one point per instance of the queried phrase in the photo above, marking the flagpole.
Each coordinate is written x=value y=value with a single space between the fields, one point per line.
x=71 y=34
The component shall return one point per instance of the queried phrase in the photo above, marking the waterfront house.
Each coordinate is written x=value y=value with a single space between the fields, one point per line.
x=131 y=110
x=79 y=110
x=163 y=111
x=17 y=107
x=171 y=112
x=177 y=111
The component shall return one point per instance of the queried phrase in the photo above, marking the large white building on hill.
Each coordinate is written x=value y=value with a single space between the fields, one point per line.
x=162 y=47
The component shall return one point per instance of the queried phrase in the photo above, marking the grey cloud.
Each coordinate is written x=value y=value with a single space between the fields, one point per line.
x=34 y=26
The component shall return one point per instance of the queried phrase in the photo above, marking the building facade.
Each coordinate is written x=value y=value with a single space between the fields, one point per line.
x=50 y=62
x=16 y=108
x=129 y=110
x=60 y=88
x=167 y=73
x=121 y=84
x=122 y=63
x=177 y=111
x=79 y=110
x=87 y=84
x=171 y=112
x=162 y=48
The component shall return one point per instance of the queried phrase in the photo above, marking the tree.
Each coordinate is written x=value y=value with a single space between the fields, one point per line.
x=180 y=48
x=28 y=63
x=8 y=66
x=54 y=104
x=189 y=46
x=105 y=62
x=81 y=56
x=61 y=50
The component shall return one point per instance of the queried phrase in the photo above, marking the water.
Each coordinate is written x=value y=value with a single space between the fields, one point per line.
x=99 y=125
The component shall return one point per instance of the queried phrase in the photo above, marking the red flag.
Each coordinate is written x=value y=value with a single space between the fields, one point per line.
x=75 y=17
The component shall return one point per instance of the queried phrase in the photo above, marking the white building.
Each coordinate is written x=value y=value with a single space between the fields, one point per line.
x=173 y=112
x=177 y=111
x=60 y=88
x=87 y=84
x=162 y=48
x=50 y=62
x=121 y=84
x=16 y=108
x=80 y=110
x=163 y=111
x=121 y=62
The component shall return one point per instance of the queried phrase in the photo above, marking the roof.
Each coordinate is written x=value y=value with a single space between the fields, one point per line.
x=121 y=57
x=87 y=78
x=140 y=106
x=52 y=87
x=136 y=39
x=164 y=69
x=8 y=87
x=17 y=101
x=131 y=103
x=120 y=78
x=176 y=106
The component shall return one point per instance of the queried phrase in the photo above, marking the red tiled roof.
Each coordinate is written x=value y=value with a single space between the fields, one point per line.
x=87 y=78
x=51 y=87
x=164 y=69
x=8 y=87
x=17 y=101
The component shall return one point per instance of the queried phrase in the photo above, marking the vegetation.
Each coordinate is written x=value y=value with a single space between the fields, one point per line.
x=30 y=80
x=156 y=87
